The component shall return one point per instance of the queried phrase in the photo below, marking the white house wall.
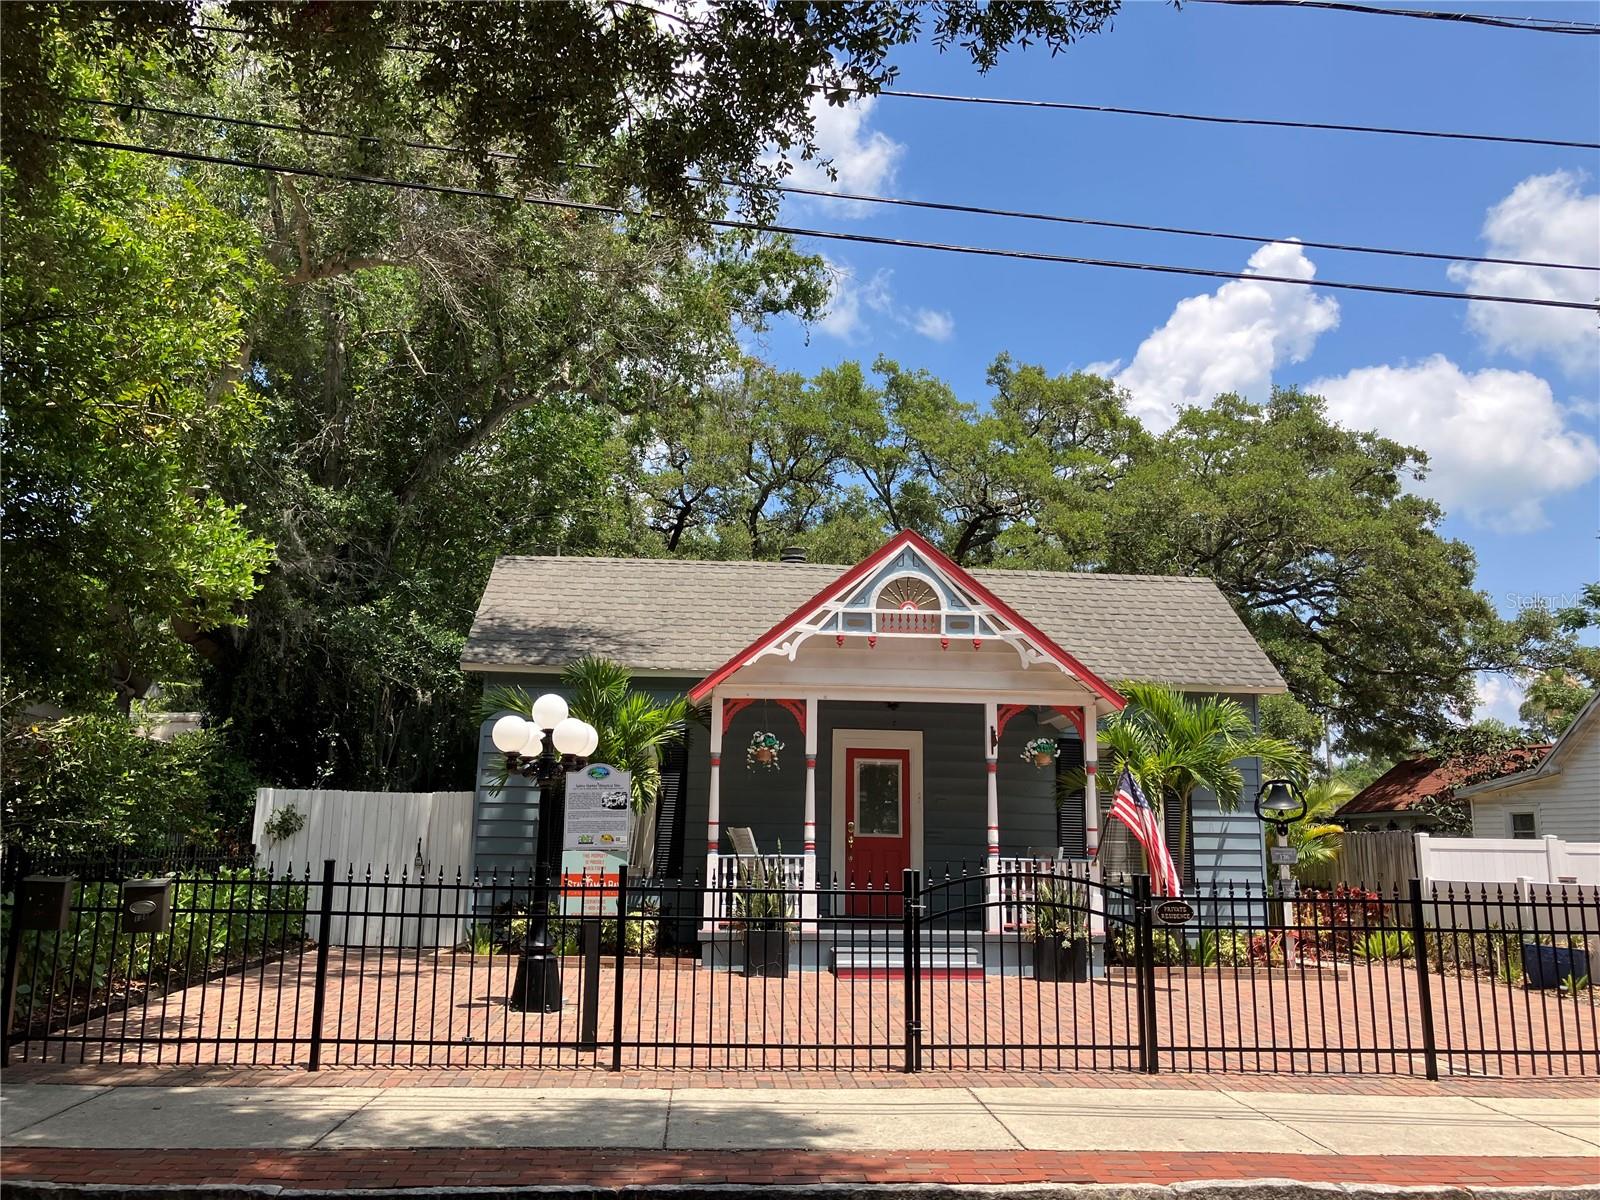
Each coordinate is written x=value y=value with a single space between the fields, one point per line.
x=1566 y=805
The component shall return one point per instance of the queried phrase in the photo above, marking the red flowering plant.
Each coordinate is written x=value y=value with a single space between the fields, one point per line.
x=1332 y=920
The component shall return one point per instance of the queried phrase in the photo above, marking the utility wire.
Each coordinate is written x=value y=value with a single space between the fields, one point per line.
x=1210 y=119
x=895 y=201
x=1204 y=118
x=825 y=234
x=1533 y=24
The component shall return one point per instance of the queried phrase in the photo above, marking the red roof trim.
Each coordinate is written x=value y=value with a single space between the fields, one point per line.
x=855 y=574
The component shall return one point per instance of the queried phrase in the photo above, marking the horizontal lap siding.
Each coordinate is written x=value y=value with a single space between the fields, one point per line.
x=507 y=823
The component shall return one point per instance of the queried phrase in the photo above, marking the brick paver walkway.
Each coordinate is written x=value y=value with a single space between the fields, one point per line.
x=369 y=1169
x=403 y=1009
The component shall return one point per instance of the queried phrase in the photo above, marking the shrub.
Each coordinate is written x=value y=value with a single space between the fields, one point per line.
x=1059 y=910
x=1383 y=945
x=84 y=786
x=227 y=920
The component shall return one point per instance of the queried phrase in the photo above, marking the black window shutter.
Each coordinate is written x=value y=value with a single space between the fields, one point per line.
x=669 y=810
x=1070 y=833
x=1172 y=828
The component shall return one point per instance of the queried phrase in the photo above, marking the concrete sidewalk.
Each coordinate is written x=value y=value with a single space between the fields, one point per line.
x=724 y=1119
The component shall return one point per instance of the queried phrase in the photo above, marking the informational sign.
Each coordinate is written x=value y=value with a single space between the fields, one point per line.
x=1284 y=856
x=1174 y=912
x=597 y=809
x=589 y=882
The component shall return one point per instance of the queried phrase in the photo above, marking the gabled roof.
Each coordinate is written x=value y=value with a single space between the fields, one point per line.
x=1551 y=763
x=1408 y=782
x=930 y=558
x=683 y=617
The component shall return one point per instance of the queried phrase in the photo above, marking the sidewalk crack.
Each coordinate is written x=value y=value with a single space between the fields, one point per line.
x=995 y=1117
x=1239 y=1098
x=370 y=1100
x=59 y=1112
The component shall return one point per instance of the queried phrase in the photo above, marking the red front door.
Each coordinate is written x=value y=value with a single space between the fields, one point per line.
x=877 y=829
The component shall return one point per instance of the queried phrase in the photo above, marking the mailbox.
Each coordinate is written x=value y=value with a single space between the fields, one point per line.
x=44 y=902
x=146 y=905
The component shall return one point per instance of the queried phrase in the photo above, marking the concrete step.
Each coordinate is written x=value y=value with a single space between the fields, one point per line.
x=879 y=961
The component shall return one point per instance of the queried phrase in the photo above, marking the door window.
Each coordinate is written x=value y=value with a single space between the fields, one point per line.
x=878 y=793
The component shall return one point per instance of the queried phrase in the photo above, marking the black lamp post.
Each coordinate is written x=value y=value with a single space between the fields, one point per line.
x=545 y=761
x=1280 y=803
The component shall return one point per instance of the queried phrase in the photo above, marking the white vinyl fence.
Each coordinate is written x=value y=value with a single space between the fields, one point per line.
x=415 y=833
x=1506 y=860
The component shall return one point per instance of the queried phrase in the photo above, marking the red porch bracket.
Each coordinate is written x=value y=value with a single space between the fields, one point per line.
x=1005 y=712
x=732 y=708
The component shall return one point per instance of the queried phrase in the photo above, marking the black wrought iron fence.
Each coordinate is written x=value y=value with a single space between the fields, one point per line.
x=1032 y=969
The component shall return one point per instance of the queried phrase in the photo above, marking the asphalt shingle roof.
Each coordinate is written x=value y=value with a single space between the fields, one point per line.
x=692 y=616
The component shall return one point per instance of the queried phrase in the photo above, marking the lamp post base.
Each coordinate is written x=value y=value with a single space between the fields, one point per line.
x=537 y=987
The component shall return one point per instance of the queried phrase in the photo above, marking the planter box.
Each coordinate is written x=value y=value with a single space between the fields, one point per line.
x=1059 y=961
x=766 y=952
x=1549 y=966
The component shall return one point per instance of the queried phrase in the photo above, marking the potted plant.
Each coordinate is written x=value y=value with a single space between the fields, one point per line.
x=762 y=909
x=1042 y=751
x=763 y=751
x=1060 y=934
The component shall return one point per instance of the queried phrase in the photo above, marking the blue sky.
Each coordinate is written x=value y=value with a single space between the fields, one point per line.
x=1505 y=400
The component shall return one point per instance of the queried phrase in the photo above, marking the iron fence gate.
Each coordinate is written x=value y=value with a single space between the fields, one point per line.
x=1022 y=970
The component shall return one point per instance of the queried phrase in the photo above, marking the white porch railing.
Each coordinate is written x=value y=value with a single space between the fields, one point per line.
x=1020 y=879
x=784 y=872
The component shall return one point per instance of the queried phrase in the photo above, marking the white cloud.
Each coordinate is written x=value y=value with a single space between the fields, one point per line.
x=864 y=160
x=1546 y=218
x=854 y=298
x=1497 y=696
x=1498 y=443
x=1105 y=368
x=932 y=324
x=1229 y=340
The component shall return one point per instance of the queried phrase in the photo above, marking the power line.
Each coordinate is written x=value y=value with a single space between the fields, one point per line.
x=1532 y=24
x=894 y=201
x=824 y=234
x=1211 y=119
x=1203 y=118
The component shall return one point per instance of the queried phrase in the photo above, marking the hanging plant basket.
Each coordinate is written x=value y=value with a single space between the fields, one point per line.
x=1041 y=751
x=763 y=751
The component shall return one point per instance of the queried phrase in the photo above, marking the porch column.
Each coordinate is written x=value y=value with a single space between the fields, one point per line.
x=1091 y=813
x=808 y=843
x=991 y=750
x=714 y=811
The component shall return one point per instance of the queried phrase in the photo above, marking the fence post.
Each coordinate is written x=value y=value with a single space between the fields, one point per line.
x=319 y=994
x=1419 y=943
x=911 y=964
x=622 y=959
x=1144 y=972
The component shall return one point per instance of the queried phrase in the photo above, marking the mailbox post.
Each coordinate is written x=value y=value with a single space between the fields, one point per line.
x=44 y=904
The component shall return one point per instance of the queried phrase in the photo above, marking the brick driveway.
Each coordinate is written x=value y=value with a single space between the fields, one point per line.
x=404 y=1009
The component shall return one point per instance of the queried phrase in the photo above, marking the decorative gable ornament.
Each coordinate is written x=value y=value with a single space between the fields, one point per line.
x=909 y=590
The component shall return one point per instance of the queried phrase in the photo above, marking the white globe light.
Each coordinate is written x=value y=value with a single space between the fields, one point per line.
x=534 y=744
x=509 y=734
x=549 y=710
x=569 y=736
x=592 y=740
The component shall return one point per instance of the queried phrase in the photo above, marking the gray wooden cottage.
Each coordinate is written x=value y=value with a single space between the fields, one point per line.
x=904 y=690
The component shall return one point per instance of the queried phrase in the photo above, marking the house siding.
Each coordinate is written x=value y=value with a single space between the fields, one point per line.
x=1566 y=806
x=1228 y=845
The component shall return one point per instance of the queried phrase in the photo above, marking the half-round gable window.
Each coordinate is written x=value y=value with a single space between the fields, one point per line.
x=913 y=606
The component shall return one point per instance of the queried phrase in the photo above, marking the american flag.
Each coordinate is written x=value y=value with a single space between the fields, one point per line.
x=1133 y=810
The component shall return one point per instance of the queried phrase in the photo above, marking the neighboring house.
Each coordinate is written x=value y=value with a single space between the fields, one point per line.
x=1558 y=797
x=1390 y=801
x=904 y=689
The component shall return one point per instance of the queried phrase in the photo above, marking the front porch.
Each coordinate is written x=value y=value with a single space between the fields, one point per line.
x=919 y=701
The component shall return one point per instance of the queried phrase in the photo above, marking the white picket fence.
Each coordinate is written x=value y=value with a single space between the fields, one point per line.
x=420 y=834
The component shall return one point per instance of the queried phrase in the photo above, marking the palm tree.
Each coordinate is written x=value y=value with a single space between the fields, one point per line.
x=1175 y=745
x=634 y=727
